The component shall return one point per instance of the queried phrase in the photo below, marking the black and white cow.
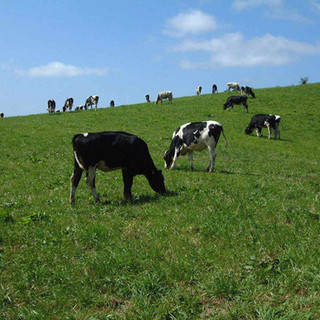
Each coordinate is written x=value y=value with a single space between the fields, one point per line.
x=214 y=88
x=164 y=95
x=199 y=89
x=269 y=121
x=111 y=103
x=92 y=100
x=194 y=136
x=233 y=85
x=231 y=101
x=51 y=106
x=110 y=151
x=68 y=104
x=247 y=90
x=147 y=98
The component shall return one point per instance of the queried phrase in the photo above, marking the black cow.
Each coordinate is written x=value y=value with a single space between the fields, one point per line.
x=110 y=151
x=147 y=98
x=111 y=103
x=247 y=90
x=51 y=106
x=231 y=101
x=194 y=136
x=260 y=121
x=214 y=88
x=1 y=114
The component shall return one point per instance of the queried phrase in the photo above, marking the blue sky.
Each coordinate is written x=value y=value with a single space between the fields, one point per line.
x=122 y=50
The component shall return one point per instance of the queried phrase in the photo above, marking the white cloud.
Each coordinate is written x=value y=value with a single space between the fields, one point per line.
x=59 y=69
x=245 y=4
x=192 y=22
x=275 y=9
x=233 y=50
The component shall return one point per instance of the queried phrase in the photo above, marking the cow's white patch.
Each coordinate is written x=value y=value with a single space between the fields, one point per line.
x=78 y=161
x=103 y=167
x=86 y=134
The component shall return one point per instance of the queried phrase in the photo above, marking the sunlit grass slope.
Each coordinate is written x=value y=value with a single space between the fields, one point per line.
x=240 y=243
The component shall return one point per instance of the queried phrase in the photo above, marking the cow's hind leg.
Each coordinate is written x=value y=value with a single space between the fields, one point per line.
x=190 y=155
x=91 y=181
x=128 y=181
x=212 y=155
x=74 y=182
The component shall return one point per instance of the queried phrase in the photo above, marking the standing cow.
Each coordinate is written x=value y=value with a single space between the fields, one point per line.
x=68 y=104
x=147 y=98
x=247 y=90
x=1 y=115
x=164 y=95
x=51 y=106
x=108 y=151
x=233 y=85
x=269 y=121
x=195 y=136
x=214 y=88
x=111 y=103
x=231 y=101
x=92 y=100
x=199 y=89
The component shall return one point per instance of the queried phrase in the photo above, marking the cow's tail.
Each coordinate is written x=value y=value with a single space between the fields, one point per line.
x=224 y=137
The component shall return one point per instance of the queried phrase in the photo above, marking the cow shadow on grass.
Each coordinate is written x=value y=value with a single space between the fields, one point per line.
x=266 y=138
x=141 y=199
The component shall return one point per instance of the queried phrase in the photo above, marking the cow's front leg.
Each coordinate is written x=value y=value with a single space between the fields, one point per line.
x=127 y=176
x=91 y=181
x=190 y=155
x=175 y=157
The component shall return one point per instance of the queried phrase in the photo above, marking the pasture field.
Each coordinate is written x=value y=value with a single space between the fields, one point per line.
x=240 y=243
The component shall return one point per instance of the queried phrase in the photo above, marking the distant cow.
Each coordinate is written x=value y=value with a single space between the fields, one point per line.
x=51 y=106
x=247 y=90
x=260 y=121
x=147 y=98
x=92 y=100
x=195 y=136
x=111 y=103
x=214 y=88
x=199 y=89
x=110 y=151
x=1 y=115
x=233 y=85
x=236 y=100
x=68 y=104
x=164 y=95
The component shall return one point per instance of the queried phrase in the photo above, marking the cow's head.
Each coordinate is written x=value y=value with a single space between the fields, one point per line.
x=248 y=130
x=156 y=181
x=168 y=158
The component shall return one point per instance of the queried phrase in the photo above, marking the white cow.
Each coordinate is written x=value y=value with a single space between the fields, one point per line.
x=164 y=95
x=92 y=100
x=233 y=85
x=199 y=89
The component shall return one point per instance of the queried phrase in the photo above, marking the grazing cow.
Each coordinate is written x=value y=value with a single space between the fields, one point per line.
x=247 y=90
x=199 y=89
x=110 y=151
x=195 y=136
x=92 y=100
x=1 y=114
x=233 y=85
x=51 y=106
x=147 y=98
x=164 y=95
x=214 y=88
x=68 y=104
x=236 y=100
x=269 y=121
x=111 y=103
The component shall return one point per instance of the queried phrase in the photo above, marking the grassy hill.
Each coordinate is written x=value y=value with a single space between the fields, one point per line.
x=240 y=243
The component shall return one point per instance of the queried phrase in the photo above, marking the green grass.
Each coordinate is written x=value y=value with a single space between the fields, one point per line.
x=239 y=243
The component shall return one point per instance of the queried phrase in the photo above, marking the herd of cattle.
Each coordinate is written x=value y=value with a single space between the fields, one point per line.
x=117 y=150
